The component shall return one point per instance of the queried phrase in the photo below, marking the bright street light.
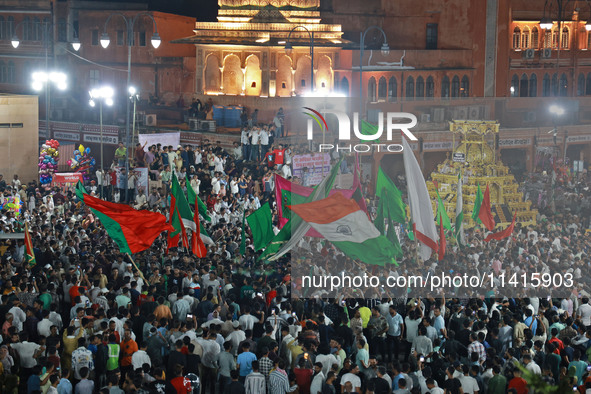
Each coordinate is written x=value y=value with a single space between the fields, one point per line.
x=41 y=77
x=156 y=40
x=105 y=40
x=556 y=110
x=132 y=91
x=76 y=44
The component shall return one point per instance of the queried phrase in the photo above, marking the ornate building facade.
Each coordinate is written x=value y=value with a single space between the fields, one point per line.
x=244 y=52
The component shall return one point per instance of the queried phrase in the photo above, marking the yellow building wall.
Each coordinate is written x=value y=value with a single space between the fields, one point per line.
x=19 y=145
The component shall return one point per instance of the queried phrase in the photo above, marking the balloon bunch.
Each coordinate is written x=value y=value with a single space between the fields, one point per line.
x=48 y=161
x=13 y=204
x=82 y=162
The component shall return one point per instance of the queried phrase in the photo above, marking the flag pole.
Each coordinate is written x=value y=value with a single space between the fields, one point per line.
x=136 y=267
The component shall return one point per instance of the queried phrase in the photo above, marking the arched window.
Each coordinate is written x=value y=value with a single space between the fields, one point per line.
x=534 y=38
x=10 y=78
x=345 y=86
x=445 y=87
x=410 y=88
x=525 y=38
x=27 y=27
x=37 y=30
x=533 y=86
x=455 y=86
x=430 y=87
x=523 y=86
x=371 y=89
x=465 y=87
x=3 y=72
x=516 y=38
x=392 y=89
x=555 y=38
x=581 y=85
x=547 y=38
x=10 y=27
x=564 y=39
x=420 y=93
x=62 y=30
x=382 y=88
x=563 y=85
x=514 y=86
x=555 y=85
x=546 y=86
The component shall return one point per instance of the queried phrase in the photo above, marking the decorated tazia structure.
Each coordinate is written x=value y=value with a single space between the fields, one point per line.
x=244 y=52
x=474 y=157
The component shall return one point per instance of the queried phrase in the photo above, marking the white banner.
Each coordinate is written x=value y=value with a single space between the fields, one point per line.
x=63 y=136
x=510 y=142
x=141 y=178
x=166 y=139
x=434 y=146
x=578 y=138
x=317 y=165
x=107 y=139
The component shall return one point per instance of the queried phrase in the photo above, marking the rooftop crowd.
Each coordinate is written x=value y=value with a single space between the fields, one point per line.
x=84 y=319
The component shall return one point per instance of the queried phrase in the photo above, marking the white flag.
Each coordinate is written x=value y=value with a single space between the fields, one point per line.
x=421 y=209
x=459 y=229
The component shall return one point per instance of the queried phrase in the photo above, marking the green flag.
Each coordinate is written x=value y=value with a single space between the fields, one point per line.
x=390 y=233
x=261 y=226
x=369 y=129
x=393 y=205
x=192 y=196
x=442 y=213
x=477 y=204
x=243 y=235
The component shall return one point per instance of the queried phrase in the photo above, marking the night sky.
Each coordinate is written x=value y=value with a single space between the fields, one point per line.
x=203 y=10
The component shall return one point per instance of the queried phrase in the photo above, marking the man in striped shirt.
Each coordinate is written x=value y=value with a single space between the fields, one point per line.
x=255 y=382
x=278 y=380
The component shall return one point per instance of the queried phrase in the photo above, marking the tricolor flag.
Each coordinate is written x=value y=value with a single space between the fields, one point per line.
x=420 y=204
x=346 y=226
x=29 y=253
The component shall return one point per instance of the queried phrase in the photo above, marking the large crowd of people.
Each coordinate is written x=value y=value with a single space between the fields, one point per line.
x=87 y=319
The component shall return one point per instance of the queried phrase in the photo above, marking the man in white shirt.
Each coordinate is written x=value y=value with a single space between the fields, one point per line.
x=352 y=380
x=139 y=358
x=317 y=380
x=254 y=142
x=44 y=326
x=584 y=312
x=469 y=384
x=28 y=352
x=236 y=337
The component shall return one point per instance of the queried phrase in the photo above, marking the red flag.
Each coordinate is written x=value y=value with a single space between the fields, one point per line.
x=442 y=243
x=29 y=253
x=197 y=244
x=485 y=214
x=504 y=233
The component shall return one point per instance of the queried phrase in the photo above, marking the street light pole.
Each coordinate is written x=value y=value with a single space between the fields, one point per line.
x=385 y=51
x=129 y=23
x=105 y=94
x=289 y=47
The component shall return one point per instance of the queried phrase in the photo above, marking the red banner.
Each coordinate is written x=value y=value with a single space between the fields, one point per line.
x=64 y=178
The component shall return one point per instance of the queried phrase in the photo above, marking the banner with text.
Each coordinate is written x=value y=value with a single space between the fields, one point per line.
x=166 y=139
x=317 y=166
